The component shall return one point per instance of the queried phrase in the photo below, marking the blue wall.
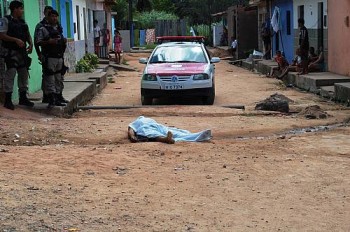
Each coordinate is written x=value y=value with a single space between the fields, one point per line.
x=285 y=39
x=66 y=13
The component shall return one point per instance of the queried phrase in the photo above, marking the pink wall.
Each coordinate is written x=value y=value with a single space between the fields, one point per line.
x=339 y=36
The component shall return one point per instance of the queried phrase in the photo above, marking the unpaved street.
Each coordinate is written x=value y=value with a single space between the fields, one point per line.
x=256 y=174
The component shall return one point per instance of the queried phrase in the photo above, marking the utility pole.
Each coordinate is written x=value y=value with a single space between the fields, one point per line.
x=131 y=26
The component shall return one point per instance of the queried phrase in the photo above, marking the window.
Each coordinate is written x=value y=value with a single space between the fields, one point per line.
x=288 y=20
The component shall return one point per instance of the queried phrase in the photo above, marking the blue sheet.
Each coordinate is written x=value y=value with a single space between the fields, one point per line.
x=149 y=128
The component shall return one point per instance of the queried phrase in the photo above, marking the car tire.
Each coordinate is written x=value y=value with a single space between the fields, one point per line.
x=209 y=100
x=146 y=100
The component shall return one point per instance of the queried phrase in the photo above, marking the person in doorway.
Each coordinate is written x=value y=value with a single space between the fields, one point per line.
x=15 y=36
x=266 y=37
x=303 y=46
x=281 y=62
x=97 y=35
x=234 y=46
x=106 y=36
x=47 y=10
x=53 y=45
x=117 y=46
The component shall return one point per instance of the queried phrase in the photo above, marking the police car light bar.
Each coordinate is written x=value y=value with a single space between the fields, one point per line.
x=162 y=39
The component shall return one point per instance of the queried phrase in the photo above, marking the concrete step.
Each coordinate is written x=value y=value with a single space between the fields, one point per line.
x=77 y=93
x=342 y=92
x=264 y=66
x=79 y=88
x=314 y=81
x=327 y=92
x=103 y=61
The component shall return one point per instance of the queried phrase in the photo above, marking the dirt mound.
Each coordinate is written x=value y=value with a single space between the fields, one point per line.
x=313 y=112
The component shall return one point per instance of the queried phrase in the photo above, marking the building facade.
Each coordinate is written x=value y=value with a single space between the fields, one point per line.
x=283 y=40
x=76 y=18
x=314 y=12
x=339 y=36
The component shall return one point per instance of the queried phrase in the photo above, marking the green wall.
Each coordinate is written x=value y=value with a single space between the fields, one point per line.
x=32 y=17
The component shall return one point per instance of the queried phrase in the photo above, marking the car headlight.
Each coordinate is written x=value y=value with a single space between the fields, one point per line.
x=149 y=77
x=202 y=76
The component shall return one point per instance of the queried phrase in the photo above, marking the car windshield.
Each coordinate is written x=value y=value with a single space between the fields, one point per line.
x=178 y=54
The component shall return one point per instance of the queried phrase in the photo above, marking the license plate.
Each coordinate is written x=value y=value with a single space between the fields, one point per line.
x=174 y=87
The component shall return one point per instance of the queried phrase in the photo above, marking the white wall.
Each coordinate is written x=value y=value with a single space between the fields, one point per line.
x=82 y=5
x=310 y=12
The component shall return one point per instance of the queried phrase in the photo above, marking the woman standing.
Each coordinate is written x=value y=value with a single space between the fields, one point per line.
x=117 y=46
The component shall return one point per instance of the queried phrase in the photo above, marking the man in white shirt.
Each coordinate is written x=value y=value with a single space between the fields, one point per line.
x=234 y=45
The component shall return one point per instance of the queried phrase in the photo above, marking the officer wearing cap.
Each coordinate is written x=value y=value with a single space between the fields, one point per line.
x=47 y=9
x=15 y=36
x=53 y=44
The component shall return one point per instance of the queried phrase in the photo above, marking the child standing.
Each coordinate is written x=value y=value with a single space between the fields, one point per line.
x=117 y=46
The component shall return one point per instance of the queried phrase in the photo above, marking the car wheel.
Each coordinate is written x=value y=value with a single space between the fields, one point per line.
x=209 y=100
x=146 y=100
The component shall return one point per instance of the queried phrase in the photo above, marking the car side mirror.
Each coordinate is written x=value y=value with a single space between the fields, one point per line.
x=215 y=60
x=143 y=60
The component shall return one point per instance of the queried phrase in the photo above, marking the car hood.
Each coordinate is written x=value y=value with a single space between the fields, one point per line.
x=178 y=68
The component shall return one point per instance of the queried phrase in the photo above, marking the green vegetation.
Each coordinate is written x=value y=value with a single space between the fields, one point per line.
x=147 y=19
x=87 y=64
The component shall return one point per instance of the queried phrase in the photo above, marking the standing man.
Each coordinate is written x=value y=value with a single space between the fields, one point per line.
x=15 y=36
x=53 y=45
x=97 y=34
x=303 y=46
x=266 y=37
x=234 y=45
x=47 y=10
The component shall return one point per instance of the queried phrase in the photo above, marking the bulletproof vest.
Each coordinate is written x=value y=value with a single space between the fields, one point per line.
x=54 y=50
x=16 y=28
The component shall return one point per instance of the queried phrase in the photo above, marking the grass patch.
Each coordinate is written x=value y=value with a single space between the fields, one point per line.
x=111 y=80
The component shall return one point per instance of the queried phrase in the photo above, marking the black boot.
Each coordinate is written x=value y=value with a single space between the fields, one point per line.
x=57 y=100
x=61 y=98
x=8 y=101
x=52 y=101
x=45 y=98
x=23 y=100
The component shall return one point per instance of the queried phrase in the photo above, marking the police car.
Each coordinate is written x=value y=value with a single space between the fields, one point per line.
x=180 y=66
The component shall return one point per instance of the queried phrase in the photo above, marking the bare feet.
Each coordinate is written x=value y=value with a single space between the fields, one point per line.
x=169 y=138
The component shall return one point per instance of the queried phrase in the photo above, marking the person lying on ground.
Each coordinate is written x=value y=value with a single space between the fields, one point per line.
x=147 y=130
x=318 y=64
x=295 y=66
x=282 y=64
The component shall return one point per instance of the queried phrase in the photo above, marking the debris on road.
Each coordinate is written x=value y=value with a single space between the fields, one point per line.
x=276 y=102
x=314 y=112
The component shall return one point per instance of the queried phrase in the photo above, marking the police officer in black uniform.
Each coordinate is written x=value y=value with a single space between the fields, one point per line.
x=53 y=46
x=15 y=36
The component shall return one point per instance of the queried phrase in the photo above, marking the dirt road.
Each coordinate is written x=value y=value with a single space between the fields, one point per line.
x=258 y=173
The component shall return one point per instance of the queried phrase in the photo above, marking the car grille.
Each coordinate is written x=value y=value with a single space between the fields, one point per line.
x=169 y=78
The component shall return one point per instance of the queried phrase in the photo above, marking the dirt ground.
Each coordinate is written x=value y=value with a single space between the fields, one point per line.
x=261 y=171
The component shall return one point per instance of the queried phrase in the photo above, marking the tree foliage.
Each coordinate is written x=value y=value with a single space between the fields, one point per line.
x=195 y=11
x=143 y=5
x=148 y=19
